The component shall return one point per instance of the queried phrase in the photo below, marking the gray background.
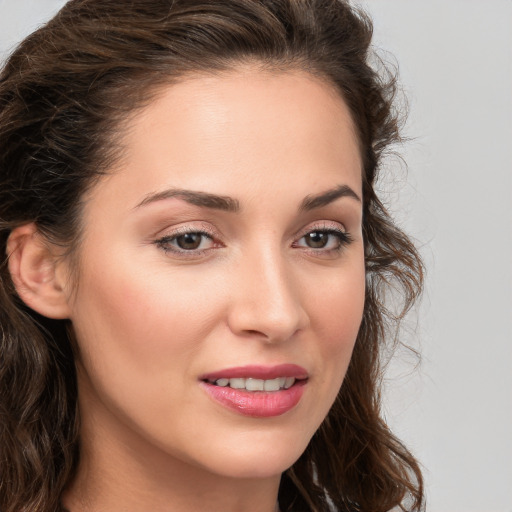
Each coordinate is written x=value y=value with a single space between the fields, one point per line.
x=455 y=409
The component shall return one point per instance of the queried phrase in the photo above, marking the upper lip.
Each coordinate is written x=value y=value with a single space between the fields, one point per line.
x=258 y=372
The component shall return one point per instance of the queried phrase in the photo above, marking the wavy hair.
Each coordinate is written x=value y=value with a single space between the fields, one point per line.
x=64 y=94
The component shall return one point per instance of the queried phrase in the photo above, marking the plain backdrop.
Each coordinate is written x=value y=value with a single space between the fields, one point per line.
x=454 y=410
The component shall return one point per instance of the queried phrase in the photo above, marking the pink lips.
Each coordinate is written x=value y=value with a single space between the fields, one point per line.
x=260 y=404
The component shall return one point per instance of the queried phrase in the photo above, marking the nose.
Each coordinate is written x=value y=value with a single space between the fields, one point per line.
x=267 y=302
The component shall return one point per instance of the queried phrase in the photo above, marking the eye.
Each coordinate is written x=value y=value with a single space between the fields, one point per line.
x=193 y=242
x=190 y=241
x=318 y=239
x=326 y=240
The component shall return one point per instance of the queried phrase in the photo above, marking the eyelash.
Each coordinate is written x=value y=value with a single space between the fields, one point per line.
x=164 y=243
x=343 y=240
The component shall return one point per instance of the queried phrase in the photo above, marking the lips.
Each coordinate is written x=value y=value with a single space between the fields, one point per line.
x=257 y=391
x=258 y=372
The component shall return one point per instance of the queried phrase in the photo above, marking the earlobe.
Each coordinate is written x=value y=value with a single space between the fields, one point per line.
x=33 y=267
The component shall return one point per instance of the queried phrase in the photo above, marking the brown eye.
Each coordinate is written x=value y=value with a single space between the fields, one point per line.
x=189 y=241
x=323 y=241
x=193 y=243
x=317 y=239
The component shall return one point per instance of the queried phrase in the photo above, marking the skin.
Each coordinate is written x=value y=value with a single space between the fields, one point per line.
x=150 y=320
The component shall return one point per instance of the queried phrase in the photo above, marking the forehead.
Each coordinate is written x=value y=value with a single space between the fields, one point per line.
x=242 y=128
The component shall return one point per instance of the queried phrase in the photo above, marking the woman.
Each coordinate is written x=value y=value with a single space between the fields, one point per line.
x=195 y=262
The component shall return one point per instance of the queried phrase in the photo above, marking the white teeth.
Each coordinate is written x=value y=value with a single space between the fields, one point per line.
x=290 y=381
x=251 y=384
x=237 y=383
x=271 y=385
x=254 y=385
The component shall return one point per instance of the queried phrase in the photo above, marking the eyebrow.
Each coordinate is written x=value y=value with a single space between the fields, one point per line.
x=229 y=204
x=202 y=199
x=324 y=198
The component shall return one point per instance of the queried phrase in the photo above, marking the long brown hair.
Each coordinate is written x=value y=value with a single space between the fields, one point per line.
x=64 y=93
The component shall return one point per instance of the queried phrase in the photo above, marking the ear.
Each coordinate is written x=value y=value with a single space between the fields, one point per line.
x=37 y=272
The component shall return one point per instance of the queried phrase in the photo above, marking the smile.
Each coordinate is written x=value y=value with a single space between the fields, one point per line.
x=251 y=384
x=257 y=391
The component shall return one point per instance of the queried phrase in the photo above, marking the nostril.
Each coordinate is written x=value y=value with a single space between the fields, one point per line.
x=267 y=310
x=255 y=332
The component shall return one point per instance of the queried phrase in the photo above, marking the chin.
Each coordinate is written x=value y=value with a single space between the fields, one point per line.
x=259 y=455
x=259 y=466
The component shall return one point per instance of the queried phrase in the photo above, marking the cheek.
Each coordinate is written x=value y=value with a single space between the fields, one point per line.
x=141 y=318
x=142 y=326
x=341 y=318
x=139 y=340
x=335 y=302
x=338 y=305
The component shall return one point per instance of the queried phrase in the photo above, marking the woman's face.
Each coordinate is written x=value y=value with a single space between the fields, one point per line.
x=222 y=256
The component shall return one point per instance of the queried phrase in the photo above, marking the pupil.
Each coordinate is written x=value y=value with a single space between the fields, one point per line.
x=317 y=240
x=189 y=241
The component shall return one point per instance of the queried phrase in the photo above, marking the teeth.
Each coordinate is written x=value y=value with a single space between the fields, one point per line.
x=254 y=384
x=290 y=381
x=250 y=384
x=237 y=383
x=271 y=385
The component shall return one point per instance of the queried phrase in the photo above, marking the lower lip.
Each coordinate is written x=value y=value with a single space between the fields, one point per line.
x=257 y=404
